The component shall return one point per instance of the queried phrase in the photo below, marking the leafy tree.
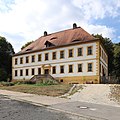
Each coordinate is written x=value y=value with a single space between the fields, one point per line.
x=6 y=52
x=109 y=46
x=28 y=43
x=117 y=59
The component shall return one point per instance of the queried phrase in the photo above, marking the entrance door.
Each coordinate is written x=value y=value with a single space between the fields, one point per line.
x=46 y=71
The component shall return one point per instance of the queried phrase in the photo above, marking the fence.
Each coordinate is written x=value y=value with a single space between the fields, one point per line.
x=110 y=80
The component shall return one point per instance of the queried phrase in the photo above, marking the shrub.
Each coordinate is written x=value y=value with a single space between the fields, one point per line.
x=7 y=83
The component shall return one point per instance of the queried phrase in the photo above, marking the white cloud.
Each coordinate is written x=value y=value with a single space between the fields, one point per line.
x=99 y=29
x=26 y=20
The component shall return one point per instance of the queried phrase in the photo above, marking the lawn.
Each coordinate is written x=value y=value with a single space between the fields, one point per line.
x=49 y=90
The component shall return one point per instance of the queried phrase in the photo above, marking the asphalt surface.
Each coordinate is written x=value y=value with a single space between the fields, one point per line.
x=16 y=110
x=95 y=111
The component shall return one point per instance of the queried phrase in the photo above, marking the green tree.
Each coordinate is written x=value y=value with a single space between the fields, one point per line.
x=24 y=46
x=6 y=52
x=117 y=59
x=109 y=46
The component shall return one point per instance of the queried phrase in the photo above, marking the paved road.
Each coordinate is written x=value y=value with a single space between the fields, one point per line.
x=15 y=110
x=96 y=111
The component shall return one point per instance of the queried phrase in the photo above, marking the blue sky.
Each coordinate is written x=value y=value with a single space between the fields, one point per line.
x=26 y=20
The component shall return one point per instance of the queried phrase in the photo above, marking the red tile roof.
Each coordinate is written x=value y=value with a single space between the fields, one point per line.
x=61 y=38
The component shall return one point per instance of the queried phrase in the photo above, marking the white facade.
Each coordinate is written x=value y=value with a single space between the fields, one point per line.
x=66 y=61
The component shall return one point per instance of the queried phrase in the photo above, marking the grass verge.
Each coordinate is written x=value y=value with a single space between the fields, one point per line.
x=49 y=90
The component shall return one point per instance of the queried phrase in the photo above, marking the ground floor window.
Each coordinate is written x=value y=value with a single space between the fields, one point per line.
x=16 y=73
x=26 y=72
x=90 y=67
x=79 y=67
x=62 y=69
x=54 y=70
x=70 y=68
x=39 y=71
x=21 y=72
x=33 y=71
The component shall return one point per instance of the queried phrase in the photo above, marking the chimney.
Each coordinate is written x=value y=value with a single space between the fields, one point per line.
x=45 y=33
x=74 y=25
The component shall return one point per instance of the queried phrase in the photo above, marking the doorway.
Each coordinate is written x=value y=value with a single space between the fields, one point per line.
x=46 y=71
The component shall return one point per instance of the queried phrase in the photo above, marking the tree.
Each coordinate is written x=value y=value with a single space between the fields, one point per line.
x=24 y=46
x=117 y=59
x=109 y=46
x=6 y=52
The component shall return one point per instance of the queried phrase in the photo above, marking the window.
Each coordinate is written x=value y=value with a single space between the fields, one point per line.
x=33 y=71
x=39 y=71
x=46 y=56
x=27 y=72
x=54 y=55
x=27 y=59
x=21 y=60
x=33 y=58
x=71 y=53
x=89 y=50
x=89 y=67
x=61 y=54
x=79 y=51
x=70 y=68
x=16 y=60
x=16 y=73
x=54 y=70
x=79 y=67
x=39 y=57
x=62 y=69
x=21 y=72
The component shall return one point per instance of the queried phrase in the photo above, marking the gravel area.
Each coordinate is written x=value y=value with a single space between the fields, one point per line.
x=98 y=93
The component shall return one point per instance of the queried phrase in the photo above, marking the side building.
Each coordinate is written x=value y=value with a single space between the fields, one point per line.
x=71 y=56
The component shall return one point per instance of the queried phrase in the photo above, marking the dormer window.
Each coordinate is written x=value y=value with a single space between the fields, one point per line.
x=49 y=44
x=76 y=40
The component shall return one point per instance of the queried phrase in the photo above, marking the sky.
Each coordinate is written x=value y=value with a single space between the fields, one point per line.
x=22 y=21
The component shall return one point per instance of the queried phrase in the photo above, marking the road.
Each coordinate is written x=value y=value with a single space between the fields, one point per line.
x=16 y=110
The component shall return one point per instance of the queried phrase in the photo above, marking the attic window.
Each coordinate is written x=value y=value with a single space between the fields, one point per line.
x=49 y=44
x=75 y=40
x=53 y=38
x=29 y=49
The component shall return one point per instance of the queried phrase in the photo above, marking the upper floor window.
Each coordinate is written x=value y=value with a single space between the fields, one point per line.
x=89 y=50
x=21 y=72
x=16 y=61
x=80 y=52
x=54 y=55
x=79 y=67
x=27 y=72
x=62 y=69
x=16 y=73
x=21 y=60
x=70 y=68
x=54 y=70
x=61 y=54
x=90 y=67
x=33 y=58
x=71 y=53
x=39 y=71
x=33 y=71
x=39 y=57
x=27 y=59
x=46 y=56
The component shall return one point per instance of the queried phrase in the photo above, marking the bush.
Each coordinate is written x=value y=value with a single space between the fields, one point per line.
x=7 y=83
x=18 y=82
